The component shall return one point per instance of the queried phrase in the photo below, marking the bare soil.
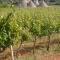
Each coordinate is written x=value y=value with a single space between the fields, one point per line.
x=27 y=50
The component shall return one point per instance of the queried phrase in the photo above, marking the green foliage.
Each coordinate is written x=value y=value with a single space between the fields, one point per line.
x=35 y=26
x=25 y=23
x=25 y=36
x=9 y=31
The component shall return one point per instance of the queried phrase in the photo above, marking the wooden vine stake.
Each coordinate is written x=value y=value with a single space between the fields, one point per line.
x=48 y=43
x=12 y=54
x=34 y=46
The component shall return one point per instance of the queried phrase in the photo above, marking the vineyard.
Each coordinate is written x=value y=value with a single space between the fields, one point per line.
x=26 y=25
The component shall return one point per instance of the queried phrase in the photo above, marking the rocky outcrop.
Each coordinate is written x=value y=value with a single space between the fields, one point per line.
x=43 y=3
x=26 y=3
x=30 y=3
x=33 y=3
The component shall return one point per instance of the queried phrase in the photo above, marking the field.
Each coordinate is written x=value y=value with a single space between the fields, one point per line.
x=34 y=33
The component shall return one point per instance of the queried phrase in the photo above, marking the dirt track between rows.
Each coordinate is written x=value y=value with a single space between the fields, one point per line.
x=50 y=57
x=6 y=55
